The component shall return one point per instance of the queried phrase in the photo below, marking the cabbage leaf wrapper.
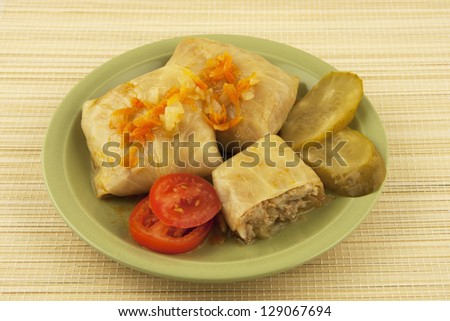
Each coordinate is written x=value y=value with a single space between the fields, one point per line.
x=265 y=109
x=265 y=187
x=145 y=128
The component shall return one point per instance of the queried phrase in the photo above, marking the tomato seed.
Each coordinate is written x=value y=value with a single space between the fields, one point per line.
x=178 y=209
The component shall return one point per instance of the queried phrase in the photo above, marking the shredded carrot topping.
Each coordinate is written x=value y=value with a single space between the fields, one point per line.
x=219 y=87
x=142 y=117
x=222 y=76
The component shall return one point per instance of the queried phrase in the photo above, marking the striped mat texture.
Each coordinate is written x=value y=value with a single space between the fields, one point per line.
x=401 y=49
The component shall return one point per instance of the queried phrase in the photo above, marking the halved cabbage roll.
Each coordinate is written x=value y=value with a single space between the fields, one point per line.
x=263 y=108
x=264 y=187
x=145 y=128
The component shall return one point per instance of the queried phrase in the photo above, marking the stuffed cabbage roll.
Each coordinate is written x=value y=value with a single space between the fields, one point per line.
x=145 y=128
x=255 y=95
x=264 y=187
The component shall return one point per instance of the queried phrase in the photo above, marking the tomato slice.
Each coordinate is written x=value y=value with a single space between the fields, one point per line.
x=184 y=200
x=147 y=230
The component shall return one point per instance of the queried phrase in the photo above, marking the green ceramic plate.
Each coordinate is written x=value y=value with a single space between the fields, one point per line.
x=103 y=223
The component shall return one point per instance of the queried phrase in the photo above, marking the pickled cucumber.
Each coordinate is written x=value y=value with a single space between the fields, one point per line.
x=347 y=162
x=329 y=106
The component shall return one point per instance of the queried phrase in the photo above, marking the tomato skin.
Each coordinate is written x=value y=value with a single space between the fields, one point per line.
x=147 y=230
x=184 y=200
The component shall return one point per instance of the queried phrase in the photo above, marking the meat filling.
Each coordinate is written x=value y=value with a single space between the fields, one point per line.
x=268 y=217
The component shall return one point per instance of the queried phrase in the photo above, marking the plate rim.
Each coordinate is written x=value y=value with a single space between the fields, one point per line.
x=49 y=163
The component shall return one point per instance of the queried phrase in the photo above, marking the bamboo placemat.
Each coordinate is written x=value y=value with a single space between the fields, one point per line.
x=401 y=49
